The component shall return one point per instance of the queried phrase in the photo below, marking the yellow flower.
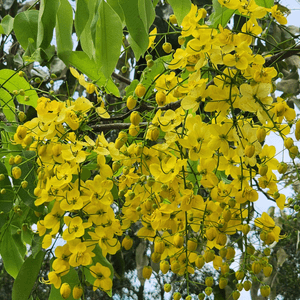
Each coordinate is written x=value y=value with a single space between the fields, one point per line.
x=152 y=38
x=102 y=274
x=266 y=223
x=75 y=228
x=278 y=15
x=81 y=253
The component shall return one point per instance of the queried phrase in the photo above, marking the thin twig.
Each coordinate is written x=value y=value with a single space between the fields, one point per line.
x=282 y=55
x=121 y=78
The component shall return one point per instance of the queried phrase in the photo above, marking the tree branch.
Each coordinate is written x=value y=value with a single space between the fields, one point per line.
x=120 y=126
x=282 y=55
x=121 y=78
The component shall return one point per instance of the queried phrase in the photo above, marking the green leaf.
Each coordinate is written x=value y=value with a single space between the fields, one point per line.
x=265 y=3
x=104 y=262
x=130 y=89
x=155 y=3
x=108 y=39
x=83 y=63
x=7 y=199
x=7 y=24
x=10 y=253
x=136 y=25
x=26 y=27
x=181 y=8
x=63 y=29
x=71 y=278
x=221 y=15
x=10 y=80
x=27 y=277
x=7 y=105
x=147 y=12
x=86 y=40
x=115 y=5
x=28 y=174
x=47 y=13
x=221 y=175
x=192 y=170
x=81 y=16
x=159 y=67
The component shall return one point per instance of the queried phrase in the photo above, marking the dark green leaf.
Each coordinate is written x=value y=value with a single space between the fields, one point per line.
x=181 y=8
x=71 y=278
x=11 y=256
x=47 y=18
x=27 y=276
x=12 y=81
x=28 y=174
x=6 y=200
x=26 y=27
x=7 y=24
x=64 y=26
x=108 y=39
x=136 y=25
x=81 y=16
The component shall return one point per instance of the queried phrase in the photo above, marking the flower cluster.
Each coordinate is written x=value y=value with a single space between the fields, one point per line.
x=189 y=180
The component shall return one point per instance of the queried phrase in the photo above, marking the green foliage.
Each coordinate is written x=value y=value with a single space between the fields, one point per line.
x=12 y=250
x=181 y=8
x=6 y=199
x=10 y=81
x=7 y=24
x=72 y=279
x=221 y=14
x=26 y=27
x=64 y=25
x=107 y=37
x=27 y=276
x=46 y=22
x=136 y=25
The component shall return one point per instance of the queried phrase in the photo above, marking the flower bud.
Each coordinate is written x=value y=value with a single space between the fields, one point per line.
x=167 y=287
x=131 y=102
x=140 y=90
x=167 y=47
x=160 y=98
x=164 y=266
x=65 y=290
x=223 y=283
x=147 y=271
x=173 y=20
x=16 y=172
x=178 y=240
x=261 y=134
x=127 y=242
x=288 y=143
x=77 y=292
x=135 y=118
x=256 y=267
x=249 y=150
x=265 y=291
